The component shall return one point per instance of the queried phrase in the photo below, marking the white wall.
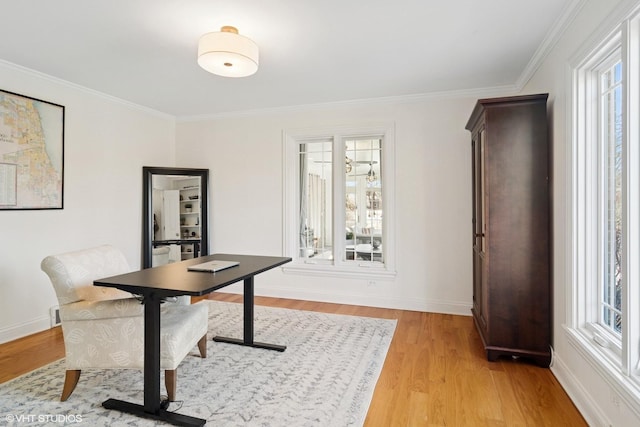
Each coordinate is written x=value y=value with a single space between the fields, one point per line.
x=433 y=198
x=594 y=396
x=106 y=144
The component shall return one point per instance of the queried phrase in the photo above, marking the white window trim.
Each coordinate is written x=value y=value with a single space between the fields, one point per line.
x=584 y=176
x=631 y=102
x=619 y=365
x=291 y=138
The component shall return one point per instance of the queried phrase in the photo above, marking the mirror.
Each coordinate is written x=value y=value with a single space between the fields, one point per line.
x=175 y=214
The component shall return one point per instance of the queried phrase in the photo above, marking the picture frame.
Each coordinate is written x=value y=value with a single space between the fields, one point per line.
x=31 y=153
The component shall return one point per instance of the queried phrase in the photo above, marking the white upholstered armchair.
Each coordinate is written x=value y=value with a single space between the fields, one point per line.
x=104 y=327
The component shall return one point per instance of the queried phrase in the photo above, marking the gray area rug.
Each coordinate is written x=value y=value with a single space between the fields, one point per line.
x=326 y=377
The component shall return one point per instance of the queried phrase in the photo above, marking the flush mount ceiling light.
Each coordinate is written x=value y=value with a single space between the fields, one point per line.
x=227 y=53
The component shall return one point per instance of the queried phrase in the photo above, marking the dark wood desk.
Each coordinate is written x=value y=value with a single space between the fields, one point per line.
x=158 y=283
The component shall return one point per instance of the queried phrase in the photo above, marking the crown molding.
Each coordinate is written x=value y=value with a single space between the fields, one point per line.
x=561 y=24
x=401 y=99
x=84 y=89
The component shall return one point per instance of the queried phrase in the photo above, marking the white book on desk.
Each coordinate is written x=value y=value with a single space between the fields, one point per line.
x=213 y=266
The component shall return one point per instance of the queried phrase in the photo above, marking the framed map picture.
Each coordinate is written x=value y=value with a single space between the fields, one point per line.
x=31 y=153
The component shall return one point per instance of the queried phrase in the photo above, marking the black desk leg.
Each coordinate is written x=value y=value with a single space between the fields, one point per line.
x=248 y=301
x=152 y=355
x=151 y=408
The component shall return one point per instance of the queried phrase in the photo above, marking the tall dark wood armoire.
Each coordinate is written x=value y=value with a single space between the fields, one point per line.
x=511 y=226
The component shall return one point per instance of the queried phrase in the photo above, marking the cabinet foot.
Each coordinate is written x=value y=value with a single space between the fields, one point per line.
x=542 y=360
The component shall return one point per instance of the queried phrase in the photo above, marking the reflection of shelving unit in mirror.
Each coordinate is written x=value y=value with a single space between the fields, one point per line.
x=178 y=214
x=189 y=214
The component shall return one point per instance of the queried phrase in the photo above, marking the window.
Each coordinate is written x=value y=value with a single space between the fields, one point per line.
x=610 y=287
x=605 y=206
x=339 y=207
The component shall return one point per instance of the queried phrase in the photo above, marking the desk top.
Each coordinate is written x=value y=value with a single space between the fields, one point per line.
x=174 y=279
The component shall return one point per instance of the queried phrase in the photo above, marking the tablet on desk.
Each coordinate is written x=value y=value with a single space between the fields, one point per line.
x=213 y=266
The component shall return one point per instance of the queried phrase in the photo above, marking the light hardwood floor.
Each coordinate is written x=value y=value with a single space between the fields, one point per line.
x=435 y=373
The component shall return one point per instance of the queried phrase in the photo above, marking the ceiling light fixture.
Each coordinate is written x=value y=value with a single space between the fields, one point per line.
x=227 y=53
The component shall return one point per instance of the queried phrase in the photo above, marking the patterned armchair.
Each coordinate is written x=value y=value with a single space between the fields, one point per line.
x=104 y=327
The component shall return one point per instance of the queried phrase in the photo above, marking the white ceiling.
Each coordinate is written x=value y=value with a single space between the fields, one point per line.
x=311 y=51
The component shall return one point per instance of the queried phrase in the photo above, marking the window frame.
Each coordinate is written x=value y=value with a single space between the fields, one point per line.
x=617 y=359
x=611 y=55
x=291 y=163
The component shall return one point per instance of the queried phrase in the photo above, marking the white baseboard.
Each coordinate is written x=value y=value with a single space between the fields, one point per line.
x=589 y=408
x=435 y=306
x=14 y=332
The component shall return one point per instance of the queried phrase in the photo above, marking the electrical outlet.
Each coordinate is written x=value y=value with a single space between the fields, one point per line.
x=54 y=315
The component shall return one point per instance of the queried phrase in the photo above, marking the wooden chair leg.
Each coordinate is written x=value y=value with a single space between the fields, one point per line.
x=71 y=378
x=202 y=346
x=171 y=382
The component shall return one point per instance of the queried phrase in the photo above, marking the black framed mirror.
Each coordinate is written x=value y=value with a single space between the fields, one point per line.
x=175 y=214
